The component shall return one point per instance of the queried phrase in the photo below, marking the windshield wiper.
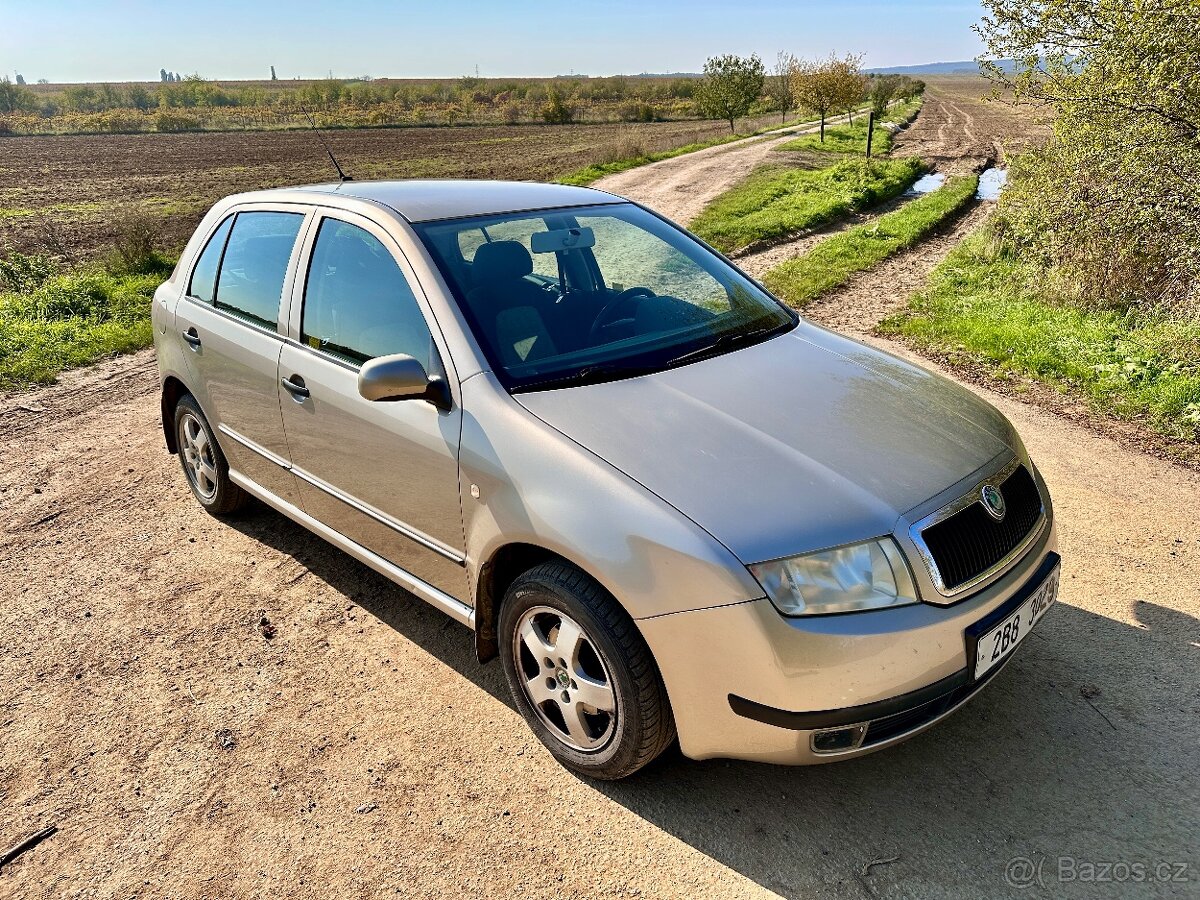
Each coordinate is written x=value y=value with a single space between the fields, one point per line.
x=728 y=341
x=588 y=375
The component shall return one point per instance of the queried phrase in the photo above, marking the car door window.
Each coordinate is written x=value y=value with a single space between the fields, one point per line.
x=256 y=258
x=204 y=275
x=357 y=303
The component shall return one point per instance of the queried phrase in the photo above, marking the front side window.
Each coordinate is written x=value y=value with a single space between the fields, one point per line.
x=357 y=303
x=204 y=276
x=250 y=283
x=565 y=296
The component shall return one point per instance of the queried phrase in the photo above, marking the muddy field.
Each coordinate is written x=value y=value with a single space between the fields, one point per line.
x=64 y=193
x=959 y=130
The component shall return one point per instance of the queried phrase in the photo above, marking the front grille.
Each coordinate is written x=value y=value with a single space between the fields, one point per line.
x=970 y=542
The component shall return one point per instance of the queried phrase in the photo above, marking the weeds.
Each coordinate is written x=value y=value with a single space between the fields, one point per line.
x=987 y=306
x=51 y=321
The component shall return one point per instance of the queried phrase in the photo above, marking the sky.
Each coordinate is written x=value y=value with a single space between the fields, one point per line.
x=116 y=40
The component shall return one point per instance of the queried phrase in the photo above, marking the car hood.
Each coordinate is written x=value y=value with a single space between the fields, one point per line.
x=805 y=441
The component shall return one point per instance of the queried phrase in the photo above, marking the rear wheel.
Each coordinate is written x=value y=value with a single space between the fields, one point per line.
x=203 y=462
x=581 y=674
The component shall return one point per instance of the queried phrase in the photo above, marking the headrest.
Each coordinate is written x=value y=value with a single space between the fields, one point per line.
x=500 y=261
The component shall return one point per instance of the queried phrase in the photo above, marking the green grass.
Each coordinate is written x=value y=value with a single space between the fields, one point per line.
x=844 y=139
x=986 y=307
x=775 y=201
x=72 y=320
x=857 y=249
x=849 y=138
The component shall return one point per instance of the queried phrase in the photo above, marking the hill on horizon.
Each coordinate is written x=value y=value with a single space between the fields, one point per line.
x=958 y=67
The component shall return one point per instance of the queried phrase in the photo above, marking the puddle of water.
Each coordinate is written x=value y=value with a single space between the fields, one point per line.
x=991 y=183
x=927 y=183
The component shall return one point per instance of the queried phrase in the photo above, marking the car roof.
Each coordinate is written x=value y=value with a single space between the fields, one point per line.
x=428 y=200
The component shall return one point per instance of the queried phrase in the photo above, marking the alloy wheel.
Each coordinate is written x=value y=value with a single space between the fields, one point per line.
x=565 y=678
x=199 y=460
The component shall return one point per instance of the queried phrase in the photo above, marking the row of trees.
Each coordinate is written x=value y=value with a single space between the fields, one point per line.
x=732 y=85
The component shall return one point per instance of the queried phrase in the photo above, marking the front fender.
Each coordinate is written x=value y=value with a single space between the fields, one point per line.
x=537 y=486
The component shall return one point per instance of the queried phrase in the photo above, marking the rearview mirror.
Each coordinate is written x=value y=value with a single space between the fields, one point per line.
x=400 y=377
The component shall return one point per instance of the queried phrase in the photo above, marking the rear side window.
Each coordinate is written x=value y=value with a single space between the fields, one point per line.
x=204 y=276
x=357 y=303
x=250 y=283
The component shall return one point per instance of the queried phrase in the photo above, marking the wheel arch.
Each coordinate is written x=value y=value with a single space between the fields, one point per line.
x=501 y=569
x=172 y=390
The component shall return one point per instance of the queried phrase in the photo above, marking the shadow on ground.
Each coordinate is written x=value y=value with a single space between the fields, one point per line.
x=1086 y=749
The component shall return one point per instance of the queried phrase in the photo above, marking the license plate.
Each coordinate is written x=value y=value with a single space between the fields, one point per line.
x=995 y=645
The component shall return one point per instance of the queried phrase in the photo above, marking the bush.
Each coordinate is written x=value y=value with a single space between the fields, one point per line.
x=557 y=111
x=637 y=112
x=134 y=251
x=174 y=122
x=21 y=272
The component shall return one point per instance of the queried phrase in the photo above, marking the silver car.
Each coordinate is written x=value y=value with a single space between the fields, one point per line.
x=670 y=506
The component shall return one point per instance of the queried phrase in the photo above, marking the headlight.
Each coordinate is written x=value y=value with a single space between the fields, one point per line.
x=870 y=575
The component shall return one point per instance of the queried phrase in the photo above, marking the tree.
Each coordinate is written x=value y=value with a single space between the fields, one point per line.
x=274 y=77
x=163 y=76
x=43 y=81
x=779 y=83
x=849 y=85
x=14 y=97
x=1112 y=202
x=20 y=79
x=731 y=85
x=881 y=90
x=825 y=85
x=814 y=88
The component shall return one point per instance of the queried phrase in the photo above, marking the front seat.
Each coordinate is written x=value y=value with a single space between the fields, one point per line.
x=504 y=299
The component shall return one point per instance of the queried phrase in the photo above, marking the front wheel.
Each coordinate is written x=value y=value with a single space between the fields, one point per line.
x=581 y=674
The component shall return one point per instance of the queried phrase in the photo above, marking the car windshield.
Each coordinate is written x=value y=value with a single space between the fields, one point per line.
x=568 y=296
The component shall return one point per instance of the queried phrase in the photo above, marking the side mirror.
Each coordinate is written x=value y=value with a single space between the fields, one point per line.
x=400 y=377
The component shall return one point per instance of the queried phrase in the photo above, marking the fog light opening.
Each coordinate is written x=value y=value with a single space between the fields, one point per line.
x=838 y=740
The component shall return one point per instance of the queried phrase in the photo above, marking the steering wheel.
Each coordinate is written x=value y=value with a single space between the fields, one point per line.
x=607 y=316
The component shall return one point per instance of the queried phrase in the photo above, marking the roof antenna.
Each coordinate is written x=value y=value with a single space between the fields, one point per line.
x=342 y=176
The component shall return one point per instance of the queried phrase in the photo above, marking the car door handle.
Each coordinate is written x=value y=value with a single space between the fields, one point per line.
x=295 y=386
x=192 y=338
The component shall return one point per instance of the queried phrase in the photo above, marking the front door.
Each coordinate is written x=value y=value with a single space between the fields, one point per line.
x=229 y=321
x=384 y=473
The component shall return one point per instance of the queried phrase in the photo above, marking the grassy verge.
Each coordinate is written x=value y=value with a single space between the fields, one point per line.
x=853 y=138
x=987 y=307
x=832 y=261
x=774 y=202
x=50 y=322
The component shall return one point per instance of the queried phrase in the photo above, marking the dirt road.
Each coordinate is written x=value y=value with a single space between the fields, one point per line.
x=361 y=752
x=686 y=184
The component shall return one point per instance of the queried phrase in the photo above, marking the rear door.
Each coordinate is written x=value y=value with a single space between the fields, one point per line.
x=232 y=322
x=385 y=474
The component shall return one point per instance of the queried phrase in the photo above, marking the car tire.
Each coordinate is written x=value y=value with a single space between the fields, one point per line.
x=203 y=462
x=569 y=649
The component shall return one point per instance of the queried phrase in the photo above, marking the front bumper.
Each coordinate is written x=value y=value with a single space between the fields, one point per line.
x=748 y=683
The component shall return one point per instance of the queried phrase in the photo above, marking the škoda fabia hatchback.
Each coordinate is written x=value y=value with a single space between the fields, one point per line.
x=667 y=503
